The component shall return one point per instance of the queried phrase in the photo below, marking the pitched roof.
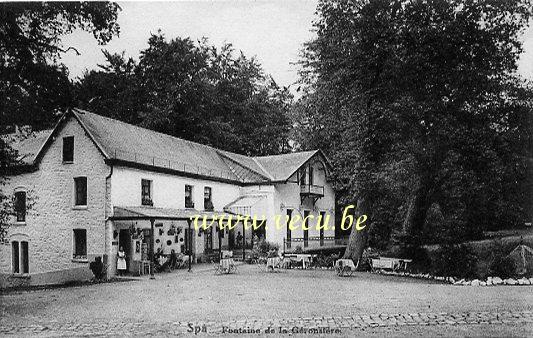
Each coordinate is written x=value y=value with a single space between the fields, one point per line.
x=132 y=212
x=282 y=167
x=127 y=143
x=27 y=147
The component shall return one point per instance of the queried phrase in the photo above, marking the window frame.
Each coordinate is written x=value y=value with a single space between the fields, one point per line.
x=147 y=201
x=208 y=203
x=64 y=152
x=189 y=205
x=75 y=202
x=22 y=258
x=75 y=256
x=15 y=205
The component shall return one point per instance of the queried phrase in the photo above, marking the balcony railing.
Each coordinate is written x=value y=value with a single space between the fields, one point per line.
x=310 y=189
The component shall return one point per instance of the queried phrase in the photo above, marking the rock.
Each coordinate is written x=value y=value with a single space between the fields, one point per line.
x=497 y=281
x=459 y=282
x=475 y=282
x=451 y=280
x=489 y=283
x=483 y=283
x=467 y=282
x=523 y=281
x=510 y=281
x=531 y=281
x=489 y=280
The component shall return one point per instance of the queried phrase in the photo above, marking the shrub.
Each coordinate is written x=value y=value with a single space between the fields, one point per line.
x=264 y=248
x=455 y=261
x=421 y=261
x=503 y=267
x=298 y=249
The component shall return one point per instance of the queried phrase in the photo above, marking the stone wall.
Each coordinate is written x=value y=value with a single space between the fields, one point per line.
x=50 y=221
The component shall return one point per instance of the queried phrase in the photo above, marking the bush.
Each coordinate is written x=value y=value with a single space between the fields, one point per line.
x=455 y=261
x=421 y=261
x=503 y=267
x=265 y=248
x=298 y=250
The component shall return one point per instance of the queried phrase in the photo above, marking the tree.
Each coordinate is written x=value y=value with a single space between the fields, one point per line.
x=427 y=95
x=33 y=84
x=194 y=91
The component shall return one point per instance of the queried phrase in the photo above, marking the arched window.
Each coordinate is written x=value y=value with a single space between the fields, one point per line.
x=20 y=257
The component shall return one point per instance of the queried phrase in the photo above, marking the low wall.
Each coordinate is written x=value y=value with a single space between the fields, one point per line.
x=46 y=278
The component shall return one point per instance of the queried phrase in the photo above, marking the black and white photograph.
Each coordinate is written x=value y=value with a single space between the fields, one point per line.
x=266 y=168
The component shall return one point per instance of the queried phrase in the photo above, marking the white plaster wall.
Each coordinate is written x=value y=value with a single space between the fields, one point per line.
x=287 y=196
x=168 y=191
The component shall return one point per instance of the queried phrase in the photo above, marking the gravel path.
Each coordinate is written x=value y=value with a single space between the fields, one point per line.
x=364 y=304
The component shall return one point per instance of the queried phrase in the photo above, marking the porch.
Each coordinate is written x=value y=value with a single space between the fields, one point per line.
x=148 y=233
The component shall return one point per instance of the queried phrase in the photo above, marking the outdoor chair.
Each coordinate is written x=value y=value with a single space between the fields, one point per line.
x=216 y=267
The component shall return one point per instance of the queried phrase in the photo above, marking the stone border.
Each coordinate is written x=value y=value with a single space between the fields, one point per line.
x=490 y=281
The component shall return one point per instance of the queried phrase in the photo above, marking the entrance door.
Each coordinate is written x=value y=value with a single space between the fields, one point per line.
x=231 y=239
x=125 y=243
x=208 y=240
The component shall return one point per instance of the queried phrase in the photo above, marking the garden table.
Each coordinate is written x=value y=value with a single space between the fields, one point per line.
x=227 y=265
x=272 y=263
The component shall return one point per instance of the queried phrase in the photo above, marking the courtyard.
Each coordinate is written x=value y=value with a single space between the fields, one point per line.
x=294 y=302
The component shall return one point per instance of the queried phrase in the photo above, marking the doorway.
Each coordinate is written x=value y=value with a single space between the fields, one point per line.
x=124 y=241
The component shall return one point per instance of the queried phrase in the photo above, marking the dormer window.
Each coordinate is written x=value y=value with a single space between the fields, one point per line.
x=189 y=202
x=68 y=149
x=303 y=172
x=146 y=192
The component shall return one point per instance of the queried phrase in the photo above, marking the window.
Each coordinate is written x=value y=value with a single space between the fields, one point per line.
x=289 y=234
x=208 y=203
x=19 y=257
x=80 y=244
x=303 y=176
x=68 y=149
x=311 y=175
x=80 y=189
x=189 y=202
x=20 y=206
x=146 y=192
x=323 y=223
x=306 y=228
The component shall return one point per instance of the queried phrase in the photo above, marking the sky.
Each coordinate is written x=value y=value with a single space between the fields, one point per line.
x=272 y=31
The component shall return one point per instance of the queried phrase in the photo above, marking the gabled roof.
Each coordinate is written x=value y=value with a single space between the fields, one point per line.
x=282 y=167
x=128 y=144
x=27 y=148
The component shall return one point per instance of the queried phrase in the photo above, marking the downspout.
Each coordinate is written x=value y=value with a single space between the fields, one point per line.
x=108 y=234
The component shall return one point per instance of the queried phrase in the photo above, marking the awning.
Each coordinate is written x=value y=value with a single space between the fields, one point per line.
x=145 y=213
x=243 y=205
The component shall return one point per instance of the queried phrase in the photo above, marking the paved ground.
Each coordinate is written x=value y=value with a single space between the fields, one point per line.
x=295 y=301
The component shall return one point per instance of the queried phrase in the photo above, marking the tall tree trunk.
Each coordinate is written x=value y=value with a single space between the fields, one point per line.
x=357 y=241
x=415 y=218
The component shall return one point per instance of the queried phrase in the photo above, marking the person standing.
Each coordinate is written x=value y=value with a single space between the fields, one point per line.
x=121 y=261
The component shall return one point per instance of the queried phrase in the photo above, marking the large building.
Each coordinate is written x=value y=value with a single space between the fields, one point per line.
x=94 y=184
